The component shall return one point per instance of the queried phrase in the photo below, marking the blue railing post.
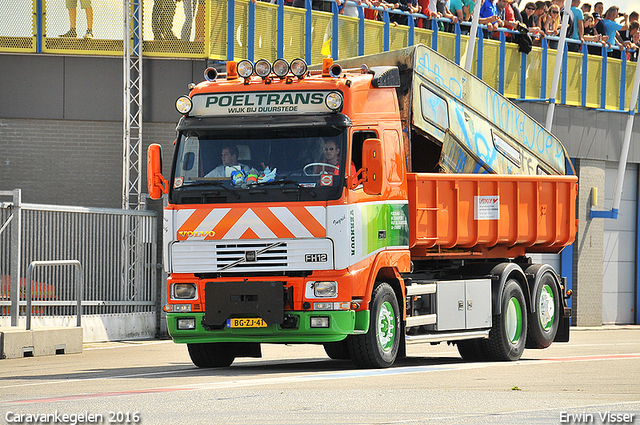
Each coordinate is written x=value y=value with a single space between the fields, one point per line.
x=501 y=62
x=334 y=31
x=480 y=53
x=280 y=46
x=434 y=36
x=603 y=82
x=585 y=68
x=251 y=32
x=412 y=30
x=458 y=33
x=308 y=18
x=565 y=67
x=231 y=25
x=39 y=26
x=386 y=34
x=623 y=78
x=543 y=74
x=523 y=75
x=360 y=30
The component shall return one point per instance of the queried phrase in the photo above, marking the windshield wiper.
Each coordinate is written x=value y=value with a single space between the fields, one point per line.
x=215 y=183
x=282 y=182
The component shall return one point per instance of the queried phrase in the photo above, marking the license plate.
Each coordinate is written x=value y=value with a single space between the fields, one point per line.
x=246 y=323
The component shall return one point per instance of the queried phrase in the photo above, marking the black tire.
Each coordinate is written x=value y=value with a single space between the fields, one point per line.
x=378 y=348
x=337 y=350
x=543 y=324
x=509 y=332
x=211 y=354
x=471 y=350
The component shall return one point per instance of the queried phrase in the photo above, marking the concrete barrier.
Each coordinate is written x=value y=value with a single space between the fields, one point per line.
x=18 y=342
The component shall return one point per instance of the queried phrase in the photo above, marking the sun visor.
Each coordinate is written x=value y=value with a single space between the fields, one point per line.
x=385 y=76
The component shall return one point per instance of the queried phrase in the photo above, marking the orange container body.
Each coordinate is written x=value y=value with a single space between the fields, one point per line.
x=490 y=215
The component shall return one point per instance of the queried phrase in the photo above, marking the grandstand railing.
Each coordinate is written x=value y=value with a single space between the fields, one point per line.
x=239 y=29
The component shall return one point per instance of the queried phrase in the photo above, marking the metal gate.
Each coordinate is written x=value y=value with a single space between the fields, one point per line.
x=117 y=250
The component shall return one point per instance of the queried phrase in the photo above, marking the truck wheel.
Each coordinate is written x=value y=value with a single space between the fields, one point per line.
x=379 y=346
x=471 y=350
x=211 y=354
x=543 y=324
x=509 y=332
x=337 y=350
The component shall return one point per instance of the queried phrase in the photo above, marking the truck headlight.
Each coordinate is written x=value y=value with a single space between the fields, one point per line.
x=333 y=101
x=184 y=291
x=327 y=289
x=184 y=105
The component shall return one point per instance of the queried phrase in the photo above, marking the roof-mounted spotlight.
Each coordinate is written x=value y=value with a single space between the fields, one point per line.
x=364 y=68
x=184 y=105
x=280 y=68
x=262 y=68
x=298 y=68
x=210 y=74
x=245 y=68
x=191 y=86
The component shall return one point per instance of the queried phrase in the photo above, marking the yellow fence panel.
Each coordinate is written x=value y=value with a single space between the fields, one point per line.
x=348 y=44
x=533 y=74
x=87 y=27
x=398 y=37
x=574 y=79
x=373 y=37
x=294 y=33
x=18 y=26
x=266 y=41
x=512 y=71
x=613 y=84
x=423 y=36
x=594 y=81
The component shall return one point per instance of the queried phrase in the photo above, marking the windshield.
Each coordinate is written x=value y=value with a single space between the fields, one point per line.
x=258 y=165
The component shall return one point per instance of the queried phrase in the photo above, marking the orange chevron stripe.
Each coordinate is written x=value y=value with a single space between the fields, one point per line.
x=272 y=222
x=228 y=221
x=249 y=234
x=193 y=222
x=309 y=221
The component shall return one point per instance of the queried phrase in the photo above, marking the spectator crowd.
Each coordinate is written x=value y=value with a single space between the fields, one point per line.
x=539 y=19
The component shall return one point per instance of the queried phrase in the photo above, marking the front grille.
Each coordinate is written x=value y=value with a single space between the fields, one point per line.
x=251 y=256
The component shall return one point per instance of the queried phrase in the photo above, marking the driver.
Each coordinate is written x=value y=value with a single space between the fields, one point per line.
x=331 y=157
x=229 y=164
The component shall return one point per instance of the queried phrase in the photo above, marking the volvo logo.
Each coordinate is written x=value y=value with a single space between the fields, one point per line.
x=250 y=256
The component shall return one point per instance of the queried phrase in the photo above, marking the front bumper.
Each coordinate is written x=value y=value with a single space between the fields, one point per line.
x=341 y=324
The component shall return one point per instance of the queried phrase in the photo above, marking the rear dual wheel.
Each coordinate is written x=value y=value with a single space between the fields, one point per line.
x=544 y=322
x=509 y=332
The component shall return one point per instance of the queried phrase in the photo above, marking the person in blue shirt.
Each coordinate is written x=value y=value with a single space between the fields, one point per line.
x=578 y=26
x=489 y=16
x=612 y=27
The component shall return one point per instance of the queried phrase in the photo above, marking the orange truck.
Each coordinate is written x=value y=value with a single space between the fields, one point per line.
x=362 y=207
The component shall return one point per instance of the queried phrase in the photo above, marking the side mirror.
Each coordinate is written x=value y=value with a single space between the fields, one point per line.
x=156 y=183
x=373 y=165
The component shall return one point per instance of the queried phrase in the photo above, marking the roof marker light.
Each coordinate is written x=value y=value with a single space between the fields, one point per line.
x=280 y=68
x=262 y=68
x=326 y=64
x=298 y=68
x=245 y=68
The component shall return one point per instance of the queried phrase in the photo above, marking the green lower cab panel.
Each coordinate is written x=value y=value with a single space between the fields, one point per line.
x=341 y=324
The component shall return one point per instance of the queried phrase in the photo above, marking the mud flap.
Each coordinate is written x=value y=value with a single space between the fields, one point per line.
x=563 y=327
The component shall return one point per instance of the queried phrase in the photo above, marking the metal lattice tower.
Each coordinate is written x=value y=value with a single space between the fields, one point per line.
x=132 y=145
x=132 y=140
